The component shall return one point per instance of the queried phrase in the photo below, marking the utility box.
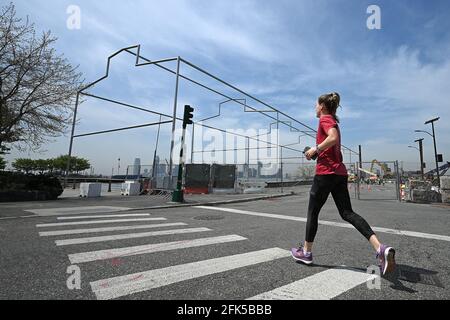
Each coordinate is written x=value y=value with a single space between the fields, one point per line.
x=446 y=196
x=445 y=182
x=445 y=189
x=130 y=188
x=90 y=190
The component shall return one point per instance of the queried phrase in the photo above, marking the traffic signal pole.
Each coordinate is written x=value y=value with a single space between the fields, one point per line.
x=178 y=195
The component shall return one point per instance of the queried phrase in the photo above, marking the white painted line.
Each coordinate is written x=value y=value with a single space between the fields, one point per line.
x=252 y=213
x=321 y=286
x=58 y=224
x=67 y=242
x=121 y=228
x=9 y=218
x=75 y=210
x=105 y=216
x=332 y=223
x=124 y=285
x=149 y=248
x=413 y=234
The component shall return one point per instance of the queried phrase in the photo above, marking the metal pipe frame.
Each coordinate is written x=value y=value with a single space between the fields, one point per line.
x=272 y=109
x=172 y=142
x=284 y=122
x=202 y=85
x=285 y=158
x=236 y=149
x=243 y=136
x=299 y=141
x=154 y=167
x=169 y=116
x=220 y=107
x=120 y=129
x=178 y=75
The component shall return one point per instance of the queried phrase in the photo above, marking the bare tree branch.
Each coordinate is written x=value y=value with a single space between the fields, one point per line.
x=37 y=86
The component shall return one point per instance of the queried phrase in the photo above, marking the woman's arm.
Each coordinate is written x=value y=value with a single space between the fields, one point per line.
x=331 y=140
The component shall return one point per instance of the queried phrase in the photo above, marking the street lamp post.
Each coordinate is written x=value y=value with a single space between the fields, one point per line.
x=435 y=149
x=421 y=156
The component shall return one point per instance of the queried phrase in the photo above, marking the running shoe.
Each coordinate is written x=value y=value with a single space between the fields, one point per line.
x=299 y=255
x=386 y=258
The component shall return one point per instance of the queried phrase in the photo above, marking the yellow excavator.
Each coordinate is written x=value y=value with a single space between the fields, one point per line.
x=387 y=172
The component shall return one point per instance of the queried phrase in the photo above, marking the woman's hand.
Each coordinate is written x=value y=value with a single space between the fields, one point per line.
x=310 y=153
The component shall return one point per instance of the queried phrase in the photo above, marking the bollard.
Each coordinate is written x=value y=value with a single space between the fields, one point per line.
x=109 y=186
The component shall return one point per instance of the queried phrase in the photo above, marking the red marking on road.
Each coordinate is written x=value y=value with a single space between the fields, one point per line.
x=115 y=262
x=137 y=277
x=104 y=285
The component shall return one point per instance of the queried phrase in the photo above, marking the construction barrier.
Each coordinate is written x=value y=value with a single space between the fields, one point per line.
x=197 y=179
x=223 y=176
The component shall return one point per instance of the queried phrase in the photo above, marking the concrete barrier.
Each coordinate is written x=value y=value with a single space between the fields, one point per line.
x=90 y=190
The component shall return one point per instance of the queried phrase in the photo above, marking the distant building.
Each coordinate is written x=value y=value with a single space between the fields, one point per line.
x=260 y=165
x=137 y=167
x=155 y=167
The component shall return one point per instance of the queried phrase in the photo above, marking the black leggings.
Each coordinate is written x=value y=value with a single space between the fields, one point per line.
x=337 y=185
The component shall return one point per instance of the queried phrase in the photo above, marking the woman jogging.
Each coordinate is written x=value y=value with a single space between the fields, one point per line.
x=331 y=177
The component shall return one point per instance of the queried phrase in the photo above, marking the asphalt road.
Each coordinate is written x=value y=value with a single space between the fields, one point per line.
x=224 y=254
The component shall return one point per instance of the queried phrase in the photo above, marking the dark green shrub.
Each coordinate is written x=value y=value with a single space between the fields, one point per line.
x=15 y=186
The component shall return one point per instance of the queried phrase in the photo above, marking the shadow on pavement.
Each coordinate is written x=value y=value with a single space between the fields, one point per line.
x=402 y=273
x=315 y=265
x=412 y=275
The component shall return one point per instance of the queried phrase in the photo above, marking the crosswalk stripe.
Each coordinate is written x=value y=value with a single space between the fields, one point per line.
x=321 y=286
x=127 y=236
x=149 y=248
x=121 y=228
x=104 y=216
x=76 y=210
x=96 y=222
x=332 y=223
x=124 y=285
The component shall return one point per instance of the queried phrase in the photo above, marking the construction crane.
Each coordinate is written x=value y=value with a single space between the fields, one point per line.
x=383 y=166
x=442 y=169
x=373 y=176
x=369 y=172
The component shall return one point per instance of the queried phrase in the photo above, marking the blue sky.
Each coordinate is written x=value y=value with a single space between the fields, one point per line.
x=286 y=53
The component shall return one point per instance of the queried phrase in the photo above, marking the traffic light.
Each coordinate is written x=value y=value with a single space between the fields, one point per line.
x=187 y=118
